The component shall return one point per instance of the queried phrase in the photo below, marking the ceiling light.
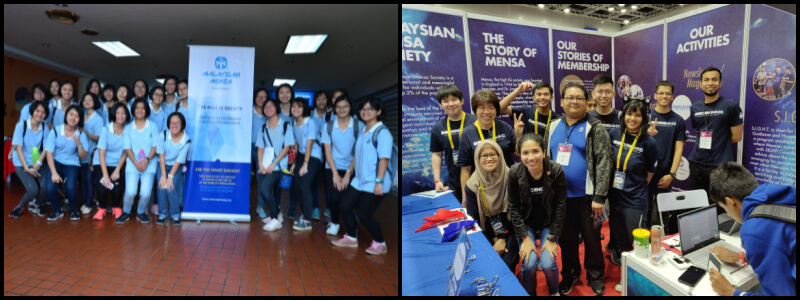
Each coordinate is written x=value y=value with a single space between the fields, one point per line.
x=278 y=82
x=62 y=16
x=624 y=10
x=160 y=80
x=117 y=49
x=610 y=9
x=541 y=5
x=621 y=4
x=566 y=10
x=304 y=44
x=633 y=6
x=626 y=21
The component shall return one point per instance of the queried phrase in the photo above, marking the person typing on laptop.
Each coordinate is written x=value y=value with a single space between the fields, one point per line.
x=767 y=214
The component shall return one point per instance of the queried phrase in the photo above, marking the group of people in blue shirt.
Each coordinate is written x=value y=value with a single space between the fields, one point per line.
x=572 y=167
x=132 y=144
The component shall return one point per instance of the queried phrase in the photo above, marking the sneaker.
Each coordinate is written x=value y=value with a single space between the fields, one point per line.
x=100 y=214
x=280 y=218
x=346 y=242
x=376 y=248
x=598 y=287
x=117 y=212
x=160 y=221
x=315 y=214
x=42 y=212
x=176 y=222
x=143 y=218
x=85 y=210
x=618 y=287
x=75 y=216
x=565 y=287
x=302 y=225
x=333 y=229
x=55 y=216
x=123 y=218
x=273 y=225
x=15 y=213
x=291 y=214
x=33 y=209
x=614 y=255
x=556 y=294
x=327 y=213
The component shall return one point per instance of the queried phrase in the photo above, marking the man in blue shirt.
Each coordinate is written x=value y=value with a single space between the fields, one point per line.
x=445 y=138
x=768 y=238
x=580 y=144
x=718 y=124
x=669 y=130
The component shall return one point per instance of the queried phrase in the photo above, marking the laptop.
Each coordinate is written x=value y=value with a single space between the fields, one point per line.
x=728 y=225
x=699 y=232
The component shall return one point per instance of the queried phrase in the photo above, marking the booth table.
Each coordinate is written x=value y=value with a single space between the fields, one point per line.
x=645 y=279
x=425 y=258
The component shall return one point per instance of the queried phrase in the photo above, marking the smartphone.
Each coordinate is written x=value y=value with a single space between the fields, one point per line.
x=714 y=262
x=691 y=276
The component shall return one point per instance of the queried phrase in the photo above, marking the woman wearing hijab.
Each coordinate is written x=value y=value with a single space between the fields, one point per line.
x=486 y=200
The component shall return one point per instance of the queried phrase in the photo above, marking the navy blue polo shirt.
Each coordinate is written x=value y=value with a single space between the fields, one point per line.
x=440 y=143
x=610 y=121
x=671 y=128
x=642 y=160
x=470 y=139
x=718 y=116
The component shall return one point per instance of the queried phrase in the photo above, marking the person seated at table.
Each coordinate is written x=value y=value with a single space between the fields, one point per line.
x=768 y=240
x=537 y=199
x=486 y=202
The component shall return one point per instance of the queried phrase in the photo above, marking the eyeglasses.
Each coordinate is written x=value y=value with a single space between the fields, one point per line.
x=183 y=89
x=574 y=99
x=368 y=109
x=491 y=155
x=139 y=87
x=604 y=92
x=664 y=94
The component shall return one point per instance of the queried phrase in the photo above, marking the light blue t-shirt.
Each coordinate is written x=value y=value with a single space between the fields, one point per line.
x=94 y=126
x=258 y=122
x=304 y=133
x=57 y=113
x=367 y=160
x=32 y=138
x=65 y=150
x=189 y=122
x=342 y=149
x=141 y=140
x=173 y=152
x=112 y=143
x=159 y=118
x=278 y=140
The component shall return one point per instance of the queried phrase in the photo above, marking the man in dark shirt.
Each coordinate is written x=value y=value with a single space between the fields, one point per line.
x=537 y=119
x=604 y=94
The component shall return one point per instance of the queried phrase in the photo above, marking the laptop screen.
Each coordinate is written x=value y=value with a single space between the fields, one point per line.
x=698 y=226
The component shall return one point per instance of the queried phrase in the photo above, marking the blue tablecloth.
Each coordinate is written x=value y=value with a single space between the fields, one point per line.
x=425 y=258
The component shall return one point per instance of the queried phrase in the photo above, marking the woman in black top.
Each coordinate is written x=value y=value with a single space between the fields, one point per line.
x=537 y=200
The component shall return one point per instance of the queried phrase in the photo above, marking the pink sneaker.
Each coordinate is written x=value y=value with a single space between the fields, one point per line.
x=100 y=214
x=346 y=242
x=376 y=249
x=117 y=212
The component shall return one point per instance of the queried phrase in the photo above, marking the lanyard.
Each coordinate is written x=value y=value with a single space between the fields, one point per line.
x=460 y=129
x=567 y=126
x=485 y=204
x=536 y=119
x=480 y=131
x=619 y=155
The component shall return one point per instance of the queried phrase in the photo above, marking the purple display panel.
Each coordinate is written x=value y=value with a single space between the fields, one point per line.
x=770 y=128
x=578 y=57
x=638 y=63
x=433 y=54
x=712 y=38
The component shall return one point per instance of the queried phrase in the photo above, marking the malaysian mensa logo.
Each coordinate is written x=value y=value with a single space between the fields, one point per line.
x=221 y=63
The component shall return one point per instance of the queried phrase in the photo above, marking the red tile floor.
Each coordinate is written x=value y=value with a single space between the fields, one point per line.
x=212 y=258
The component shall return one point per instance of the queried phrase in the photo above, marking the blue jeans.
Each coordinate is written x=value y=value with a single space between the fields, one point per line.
x=87 y=184
x=131 y=184
x=170 y=197
x=549 y=266
x=70 y=175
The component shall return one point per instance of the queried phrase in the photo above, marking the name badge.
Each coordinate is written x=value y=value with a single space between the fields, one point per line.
x=619 y=180
x=705 y=139
x=455 y=156
x=564 y=152
x=497 y=225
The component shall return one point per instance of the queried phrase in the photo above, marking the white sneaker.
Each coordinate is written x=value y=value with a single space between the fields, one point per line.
x=618 y=287
x=85 y=210
x=333 y=229
x=273 y=225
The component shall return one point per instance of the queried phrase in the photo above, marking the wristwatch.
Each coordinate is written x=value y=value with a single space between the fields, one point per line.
x=672 y=174
x=551 y=238
x=378 y=180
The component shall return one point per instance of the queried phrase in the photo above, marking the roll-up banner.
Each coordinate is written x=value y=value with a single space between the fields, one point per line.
x=220 y=95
